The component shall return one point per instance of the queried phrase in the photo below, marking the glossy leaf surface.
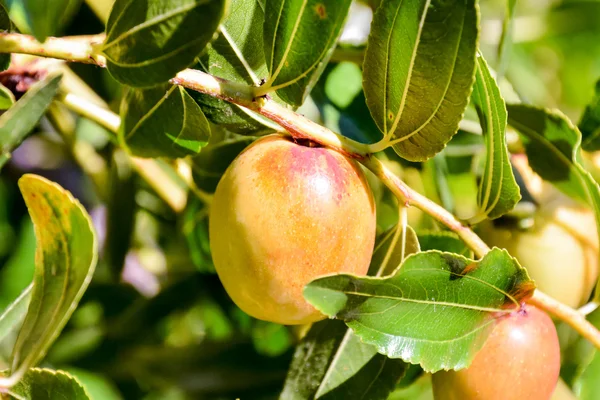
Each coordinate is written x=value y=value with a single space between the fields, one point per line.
x=437 y=310
x=418 y=71
x=66 y=256
x=163 y=121
x=498 y=191
x=299 y=37
x=149 y=41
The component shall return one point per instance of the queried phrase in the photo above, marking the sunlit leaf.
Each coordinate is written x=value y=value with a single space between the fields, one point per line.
x=552 y=144
x=299 y=38
x=418 y=71
x=66 y=256
x=149 y=41
x=163 y=121
x=46 y=384
x=498 y=190
x=18 y=121
x=437 y=310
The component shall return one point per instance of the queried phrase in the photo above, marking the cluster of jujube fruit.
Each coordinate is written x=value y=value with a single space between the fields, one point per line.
x=286 y=212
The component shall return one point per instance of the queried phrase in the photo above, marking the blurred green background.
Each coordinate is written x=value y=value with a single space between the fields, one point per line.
x=156 y=322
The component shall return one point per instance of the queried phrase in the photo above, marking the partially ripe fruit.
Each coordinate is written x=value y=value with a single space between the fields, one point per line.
x=560 y=250
x=282 y=215
x=520 y=361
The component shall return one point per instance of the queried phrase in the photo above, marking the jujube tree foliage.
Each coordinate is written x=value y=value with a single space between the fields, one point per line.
x=230 y=199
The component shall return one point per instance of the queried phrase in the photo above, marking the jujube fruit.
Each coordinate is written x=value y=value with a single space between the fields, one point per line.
x=560 y=250
x=282 y=215
x=520 y=360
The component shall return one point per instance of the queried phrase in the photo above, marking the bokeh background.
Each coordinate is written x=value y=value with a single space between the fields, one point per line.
x=156 y=322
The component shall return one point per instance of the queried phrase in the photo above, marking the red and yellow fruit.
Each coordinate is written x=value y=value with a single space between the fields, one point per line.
x=520 y=360
x=282 y=215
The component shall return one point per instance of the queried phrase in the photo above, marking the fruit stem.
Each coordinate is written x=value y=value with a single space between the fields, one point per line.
x=409 y=197
x=80 y=49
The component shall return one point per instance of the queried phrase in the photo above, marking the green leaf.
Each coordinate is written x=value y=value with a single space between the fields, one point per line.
x=66 y=256
x=333 y=363
x=587 y=362
x=505 y=44
x=299 y=38
x=421 y=389
x=418 y=71
x=236 y=55
x=443 y=241
x=46 y=384
x=46 y=18
x=12 y=318
x=163 y=121
x=498 y=191
x=121 y=212
x=195 y=230
x=97 y=386
x=589 y=125
x=5 y=26
x=437 y=310
x=7 y=98
x=211 y=163
x=552 y=144
x=390 y=250
x=149 y=41
x=588 y=383
x=23 y=116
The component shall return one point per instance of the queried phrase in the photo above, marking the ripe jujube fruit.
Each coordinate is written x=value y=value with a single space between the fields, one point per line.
x=282 y=215
x=520 y=360
x=560 y=250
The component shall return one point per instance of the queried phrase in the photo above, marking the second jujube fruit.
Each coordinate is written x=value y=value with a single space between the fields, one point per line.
x=282 y=215
x=520 y=360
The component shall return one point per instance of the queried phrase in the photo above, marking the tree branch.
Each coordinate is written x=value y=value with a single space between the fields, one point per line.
x=75 y=49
